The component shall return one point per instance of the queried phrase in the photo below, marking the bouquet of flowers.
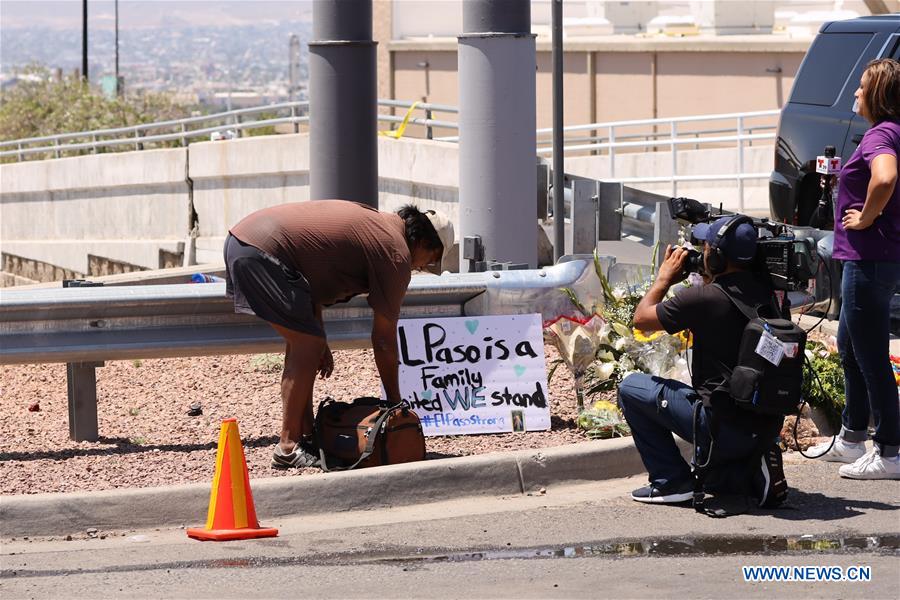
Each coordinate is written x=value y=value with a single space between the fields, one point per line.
x=601 y=347
x=577 y=340
x=603 y=420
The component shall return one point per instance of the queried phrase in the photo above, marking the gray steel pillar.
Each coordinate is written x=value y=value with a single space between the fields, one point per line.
x=497 y=148
x=343 y=103
x=559 y=166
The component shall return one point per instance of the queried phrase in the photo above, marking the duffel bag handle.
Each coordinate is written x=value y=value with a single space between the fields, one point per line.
x=370 y=440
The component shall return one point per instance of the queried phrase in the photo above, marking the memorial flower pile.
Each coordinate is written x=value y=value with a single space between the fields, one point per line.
x=600 y=346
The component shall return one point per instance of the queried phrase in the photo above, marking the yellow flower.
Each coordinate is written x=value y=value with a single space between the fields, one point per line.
x=687 y=340
x=642 y=337
x=605 y=405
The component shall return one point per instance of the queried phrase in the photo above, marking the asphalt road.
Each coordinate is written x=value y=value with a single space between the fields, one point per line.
x=579 y=541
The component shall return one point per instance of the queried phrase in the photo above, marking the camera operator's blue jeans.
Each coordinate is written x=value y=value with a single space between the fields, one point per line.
x=864 y=343
x=655 y=408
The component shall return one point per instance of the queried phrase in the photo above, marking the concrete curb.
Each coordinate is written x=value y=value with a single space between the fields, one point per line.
x=497 y=474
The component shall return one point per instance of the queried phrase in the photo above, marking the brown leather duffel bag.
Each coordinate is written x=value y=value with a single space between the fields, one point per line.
x=367 y=432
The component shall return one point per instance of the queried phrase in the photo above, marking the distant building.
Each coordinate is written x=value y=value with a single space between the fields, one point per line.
x=623 y=60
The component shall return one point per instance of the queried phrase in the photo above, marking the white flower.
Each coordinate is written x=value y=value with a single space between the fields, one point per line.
x=606 y=356
x=605 y=370
x=603 y=335
x=619 y=344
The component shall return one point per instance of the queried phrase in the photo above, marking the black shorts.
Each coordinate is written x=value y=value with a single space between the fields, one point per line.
x=261 y=285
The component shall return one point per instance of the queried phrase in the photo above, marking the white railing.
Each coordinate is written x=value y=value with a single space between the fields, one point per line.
x=233 y=123
x=738 y=130
x=741 y=129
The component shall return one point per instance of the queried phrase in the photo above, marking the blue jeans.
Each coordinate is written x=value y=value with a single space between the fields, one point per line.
x=655 y=408
x=864 y=343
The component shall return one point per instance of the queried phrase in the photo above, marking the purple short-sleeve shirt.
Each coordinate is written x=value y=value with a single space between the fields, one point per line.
x=881 y=240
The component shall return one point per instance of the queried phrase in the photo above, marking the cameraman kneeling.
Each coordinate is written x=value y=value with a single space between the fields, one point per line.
x=655 y=407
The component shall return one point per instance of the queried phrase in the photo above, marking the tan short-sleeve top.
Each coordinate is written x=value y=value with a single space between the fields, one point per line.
x=342 y=248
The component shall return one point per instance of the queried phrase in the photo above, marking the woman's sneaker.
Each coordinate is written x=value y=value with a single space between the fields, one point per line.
x=841 y=451
x=872 y=466
x=299 y=458
x=665 y=494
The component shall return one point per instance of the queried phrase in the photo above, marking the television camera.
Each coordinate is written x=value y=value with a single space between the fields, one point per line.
x=788 y=261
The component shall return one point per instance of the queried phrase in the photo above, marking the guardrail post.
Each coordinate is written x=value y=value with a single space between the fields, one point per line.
x=665 y=232
x=20 y=156
x=138 y=145
x=294 y=121
x=609 y=213
x=429 y=134
x=674 y=133
x=582 y=234
x=81 y=380
x=238 y=132
x=183 y=136
x=740 y=161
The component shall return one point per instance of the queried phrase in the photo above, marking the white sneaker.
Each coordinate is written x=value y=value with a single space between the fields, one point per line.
x=872 y=466
x=845 y=452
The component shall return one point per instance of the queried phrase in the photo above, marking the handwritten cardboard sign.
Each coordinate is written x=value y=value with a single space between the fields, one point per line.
x=475 y=374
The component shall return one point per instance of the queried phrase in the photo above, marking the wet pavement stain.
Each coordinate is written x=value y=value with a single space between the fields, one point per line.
x=677 y=546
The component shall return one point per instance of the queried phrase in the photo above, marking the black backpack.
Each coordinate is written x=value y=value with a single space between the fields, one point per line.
x=768 y=374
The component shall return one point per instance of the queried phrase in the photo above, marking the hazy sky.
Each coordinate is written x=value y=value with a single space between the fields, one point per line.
x=66 y=14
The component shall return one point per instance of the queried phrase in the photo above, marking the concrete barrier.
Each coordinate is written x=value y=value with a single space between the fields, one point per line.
x=234 y=178
x=135 y=207
x=125 y=206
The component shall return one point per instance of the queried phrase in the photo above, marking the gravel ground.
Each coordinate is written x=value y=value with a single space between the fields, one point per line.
x=148 y=439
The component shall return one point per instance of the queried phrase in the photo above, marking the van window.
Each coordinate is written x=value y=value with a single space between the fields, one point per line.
x=827 y=65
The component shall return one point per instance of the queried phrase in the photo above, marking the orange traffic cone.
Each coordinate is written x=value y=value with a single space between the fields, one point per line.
x=231 y=513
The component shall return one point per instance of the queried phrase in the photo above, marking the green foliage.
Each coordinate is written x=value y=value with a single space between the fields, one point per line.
x=827 y=369
x=39 y=105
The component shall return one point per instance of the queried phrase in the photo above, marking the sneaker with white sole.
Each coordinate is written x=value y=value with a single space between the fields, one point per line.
x=872 y=466
x=841 y=451
x=665 y=494
x=299 y=458
x=768 y=483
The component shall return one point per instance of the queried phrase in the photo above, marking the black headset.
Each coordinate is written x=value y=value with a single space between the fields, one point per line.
x=716 y=261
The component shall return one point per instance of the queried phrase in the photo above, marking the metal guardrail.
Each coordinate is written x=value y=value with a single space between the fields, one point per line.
x=84 y=326
x=136 y=137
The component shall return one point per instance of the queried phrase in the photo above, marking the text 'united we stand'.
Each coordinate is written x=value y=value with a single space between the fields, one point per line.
x=475 y=375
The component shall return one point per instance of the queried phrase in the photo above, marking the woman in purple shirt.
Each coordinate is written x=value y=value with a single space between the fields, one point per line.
x=867 y=239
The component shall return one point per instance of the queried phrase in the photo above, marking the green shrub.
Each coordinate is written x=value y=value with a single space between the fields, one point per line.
x=823 y=387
